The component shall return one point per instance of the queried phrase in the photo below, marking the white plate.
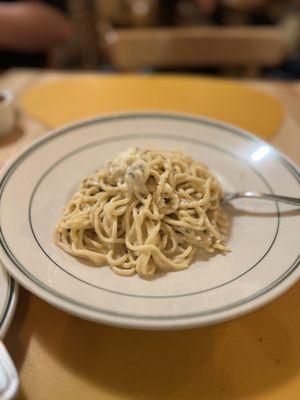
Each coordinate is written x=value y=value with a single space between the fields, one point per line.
x=8 y=300
x=264 y=239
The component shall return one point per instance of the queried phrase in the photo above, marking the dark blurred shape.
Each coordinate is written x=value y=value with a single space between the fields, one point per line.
x=84 y=49
x=288 y=70
x=11 y=57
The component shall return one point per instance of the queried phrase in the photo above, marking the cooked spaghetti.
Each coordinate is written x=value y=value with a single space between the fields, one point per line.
x=147 y=210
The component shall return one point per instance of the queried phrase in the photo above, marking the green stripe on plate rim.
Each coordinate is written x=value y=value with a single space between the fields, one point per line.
x=8 y=300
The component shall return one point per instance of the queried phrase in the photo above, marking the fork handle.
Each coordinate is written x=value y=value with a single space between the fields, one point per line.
x=274 y=197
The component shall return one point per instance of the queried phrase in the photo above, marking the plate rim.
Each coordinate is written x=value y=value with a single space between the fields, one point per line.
x=123 y=320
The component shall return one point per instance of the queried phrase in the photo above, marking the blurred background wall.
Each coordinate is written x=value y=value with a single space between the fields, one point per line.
x=221 y=37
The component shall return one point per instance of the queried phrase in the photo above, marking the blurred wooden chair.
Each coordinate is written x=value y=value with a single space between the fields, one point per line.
x=248 y=48
x=126 y=35
x=251 y=48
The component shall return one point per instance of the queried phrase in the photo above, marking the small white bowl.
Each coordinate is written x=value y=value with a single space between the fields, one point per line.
x=7 y=112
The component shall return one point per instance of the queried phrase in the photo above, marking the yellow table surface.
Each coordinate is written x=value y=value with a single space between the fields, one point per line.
x=59 y=356
x=64 y=101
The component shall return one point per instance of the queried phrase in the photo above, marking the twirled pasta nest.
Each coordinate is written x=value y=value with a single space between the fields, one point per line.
x=147 y=210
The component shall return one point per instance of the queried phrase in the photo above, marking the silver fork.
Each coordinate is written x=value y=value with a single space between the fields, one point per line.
x=261 y=196
x=9 y=380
